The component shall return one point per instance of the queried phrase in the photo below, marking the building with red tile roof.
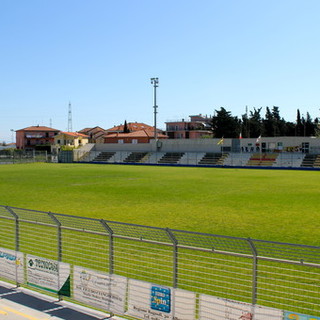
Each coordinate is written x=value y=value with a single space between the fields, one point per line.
x=139 y=136
x=131 y=126
x=35 y=138
x=93 y=133
x=137 y=132
x=69 y=139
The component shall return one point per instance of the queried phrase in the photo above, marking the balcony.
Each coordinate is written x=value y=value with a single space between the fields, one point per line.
x=35 y=136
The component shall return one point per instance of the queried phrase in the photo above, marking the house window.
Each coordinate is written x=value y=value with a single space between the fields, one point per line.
x=120 y=141
x=58 y=141
x=134 y=141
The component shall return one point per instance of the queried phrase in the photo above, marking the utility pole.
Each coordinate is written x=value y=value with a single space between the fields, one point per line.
x=155 y=82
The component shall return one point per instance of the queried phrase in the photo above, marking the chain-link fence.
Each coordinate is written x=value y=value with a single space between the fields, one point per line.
x=11 y=156
x=202 y=276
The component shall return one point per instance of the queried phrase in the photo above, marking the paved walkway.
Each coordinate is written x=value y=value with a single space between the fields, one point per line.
x=23 y=304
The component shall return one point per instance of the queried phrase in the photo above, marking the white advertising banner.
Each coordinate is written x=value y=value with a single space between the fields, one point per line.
x=212 y=308
x=154 y=302
x=99 y=289
x=50 y=275
x=11 y=265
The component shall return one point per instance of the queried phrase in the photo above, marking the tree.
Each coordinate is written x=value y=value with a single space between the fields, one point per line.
x=225 y=125
x=255 y=123
x=316 y=127
x=310 y=126
x=299 y=125
x=125 y=127
x=268 y=123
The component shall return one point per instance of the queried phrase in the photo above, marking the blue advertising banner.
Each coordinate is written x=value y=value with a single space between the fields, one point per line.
x=161 y=299
x=298 y=316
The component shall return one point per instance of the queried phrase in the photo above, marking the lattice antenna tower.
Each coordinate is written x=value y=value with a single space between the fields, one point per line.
x=69 y=119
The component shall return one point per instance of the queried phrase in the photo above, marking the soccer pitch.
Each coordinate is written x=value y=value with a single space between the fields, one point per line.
x=276 y=205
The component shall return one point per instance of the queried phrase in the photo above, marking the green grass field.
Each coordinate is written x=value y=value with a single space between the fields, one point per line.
x=262 y=204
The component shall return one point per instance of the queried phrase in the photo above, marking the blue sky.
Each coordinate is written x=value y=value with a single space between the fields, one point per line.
x=207 y=54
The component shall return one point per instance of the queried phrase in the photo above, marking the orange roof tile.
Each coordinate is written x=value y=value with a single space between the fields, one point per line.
x=75 y=134
x=92 y=130
x=132 y=126
x=135 y=134
x=38 y=128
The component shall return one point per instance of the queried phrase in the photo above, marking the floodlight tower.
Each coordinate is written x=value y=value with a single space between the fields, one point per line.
x=69 y=119
x=155 y=82
x=12 y=131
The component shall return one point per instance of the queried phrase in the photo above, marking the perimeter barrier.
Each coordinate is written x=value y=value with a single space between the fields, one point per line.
x=155 y=273
x=12 y=156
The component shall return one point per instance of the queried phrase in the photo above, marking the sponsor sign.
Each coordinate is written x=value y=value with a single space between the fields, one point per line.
x=161 y=299
x=212 y=308
x=154 y=302
x=11 y=265
x=298 y=316
x=50 y=275
x=99 y=289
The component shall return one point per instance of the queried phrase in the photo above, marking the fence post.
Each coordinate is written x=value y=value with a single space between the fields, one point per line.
x=17 y=239
x=175 y=258
x=59 y=236
x=110 y=232
x=254 y=271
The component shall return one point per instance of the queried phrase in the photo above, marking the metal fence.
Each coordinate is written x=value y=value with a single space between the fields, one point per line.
x=11 y=156
x=269 y=274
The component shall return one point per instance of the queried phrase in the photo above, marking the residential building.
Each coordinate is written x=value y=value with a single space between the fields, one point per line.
x=140 y=136
x=94 y=133
x=199 y=126
x=69 y=139
x=35 y=138
x=130 y=127
x=131 y=132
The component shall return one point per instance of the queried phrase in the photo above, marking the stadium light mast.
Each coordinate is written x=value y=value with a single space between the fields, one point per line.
x=12 y=131
x=155 y=82
x=69 y=118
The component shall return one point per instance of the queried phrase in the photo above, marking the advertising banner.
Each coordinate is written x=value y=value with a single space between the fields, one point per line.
x=298 y=316
x=50 y=275
x=99 y=289
x=154 y=302
x=11 y=265
x=212 y=308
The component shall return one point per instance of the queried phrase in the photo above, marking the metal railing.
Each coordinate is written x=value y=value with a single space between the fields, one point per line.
x=269 y=274
x=22 y=156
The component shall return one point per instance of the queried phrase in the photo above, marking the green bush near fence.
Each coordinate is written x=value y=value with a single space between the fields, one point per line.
x=278 y=205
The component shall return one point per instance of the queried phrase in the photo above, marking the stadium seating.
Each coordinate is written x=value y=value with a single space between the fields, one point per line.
x=263 y=159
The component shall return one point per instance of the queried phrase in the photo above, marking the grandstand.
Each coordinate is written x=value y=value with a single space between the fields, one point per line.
x=231 y=159
x=287 y=153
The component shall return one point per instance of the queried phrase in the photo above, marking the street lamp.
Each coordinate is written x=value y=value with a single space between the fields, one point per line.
x=155 y=82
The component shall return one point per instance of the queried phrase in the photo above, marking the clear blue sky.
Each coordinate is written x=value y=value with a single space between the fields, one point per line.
x=100 y=55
